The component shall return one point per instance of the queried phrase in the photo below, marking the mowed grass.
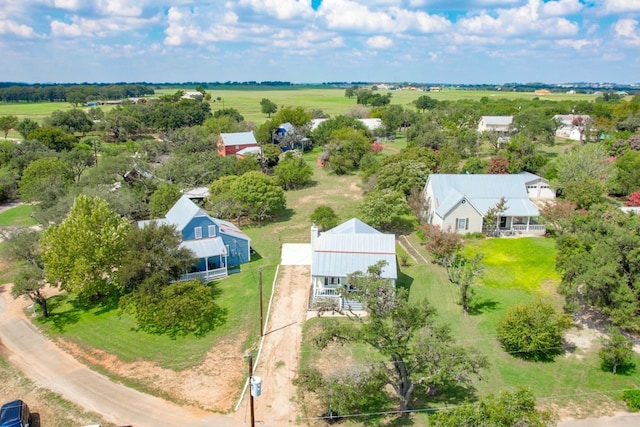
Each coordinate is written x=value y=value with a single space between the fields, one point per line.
x=114 y=332
x=20 y=216
x=516 y=270
x=521 y=263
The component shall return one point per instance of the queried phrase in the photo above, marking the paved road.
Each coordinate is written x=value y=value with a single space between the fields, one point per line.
x=51 y=368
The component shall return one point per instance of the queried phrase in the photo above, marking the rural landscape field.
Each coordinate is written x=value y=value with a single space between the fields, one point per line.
x=207 y=370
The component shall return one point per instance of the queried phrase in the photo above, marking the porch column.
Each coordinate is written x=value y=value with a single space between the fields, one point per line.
x=206 y=264
x=528 y=222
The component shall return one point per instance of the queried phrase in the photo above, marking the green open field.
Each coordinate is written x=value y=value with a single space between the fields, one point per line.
x=330 y=100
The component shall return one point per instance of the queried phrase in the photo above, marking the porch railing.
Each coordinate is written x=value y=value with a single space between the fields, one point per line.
x=205 y=276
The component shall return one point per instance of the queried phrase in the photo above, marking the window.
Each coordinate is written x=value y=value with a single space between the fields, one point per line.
x=212 y=231
x=332 y=282
x=462 y=223
x=198 y=232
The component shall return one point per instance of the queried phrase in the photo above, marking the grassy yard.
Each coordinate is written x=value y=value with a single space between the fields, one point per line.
x=516 y=270
x=238 y=294
x=20 y=216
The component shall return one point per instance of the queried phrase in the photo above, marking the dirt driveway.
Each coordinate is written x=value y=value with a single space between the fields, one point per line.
x=278 y=361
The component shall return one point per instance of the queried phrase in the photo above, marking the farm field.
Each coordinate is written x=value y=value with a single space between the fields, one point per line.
x=331 y=100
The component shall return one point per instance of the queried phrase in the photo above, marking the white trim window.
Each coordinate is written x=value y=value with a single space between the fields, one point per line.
x=197 y=231
x=212 y=231
x=331 y=282
x=462 y=223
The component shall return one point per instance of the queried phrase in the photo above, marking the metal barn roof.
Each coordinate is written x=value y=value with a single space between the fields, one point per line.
x=483 y=191
x=239 y=138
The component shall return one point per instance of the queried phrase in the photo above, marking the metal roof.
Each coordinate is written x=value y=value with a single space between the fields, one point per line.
x=353 y=246
x=353 y=226
x=497 y=120
x=483 y=191
x=185 y=210
x=239 y=138
x=205 y=248
x=182 y=212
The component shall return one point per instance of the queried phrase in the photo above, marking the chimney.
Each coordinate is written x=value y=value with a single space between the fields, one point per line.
x=314 y=232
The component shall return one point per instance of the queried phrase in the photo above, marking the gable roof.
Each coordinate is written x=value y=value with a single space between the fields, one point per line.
x=497 y=120
x=483 y=191
x=238 y=138
x=184 y=210
x=353 y=226
x=353 y=246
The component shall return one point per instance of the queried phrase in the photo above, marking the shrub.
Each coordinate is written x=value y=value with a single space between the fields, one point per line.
x=632 y=397
x=533 y=331
x=440 y=243
x=616 y=354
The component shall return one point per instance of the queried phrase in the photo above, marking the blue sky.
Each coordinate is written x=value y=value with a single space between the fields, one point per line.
x=437 y=41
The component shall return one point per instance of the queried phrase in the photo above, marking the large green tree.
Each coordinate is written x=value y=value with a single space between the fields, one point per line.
x=420 y=354
x=26 y=126
x=165 y=196
x=45 y=179
x=153 y=250
x=260 y=195
x=383 y=208
x=23 y=248
x=7 y=123
x=53 y=138
x=599 y=261
x=345 y=150
x=583 y=174
x=174 y=309
x=533 y=331
x=268 y=107
x=292 y=171
x=82 y=254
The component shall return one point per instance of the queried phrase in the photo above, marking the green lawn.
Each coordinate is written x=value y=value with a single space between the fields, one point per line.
x=523 y=263
x=20 y=216
x=516 y=270
x=238 y=294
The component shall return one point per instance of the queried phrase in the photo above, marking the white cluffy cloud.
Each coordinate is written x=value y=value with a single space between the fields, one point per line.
x=10 y=27
x=621 y=6
x=626 y=30
x=351 y=16
x=531 y=18
x=379 y=42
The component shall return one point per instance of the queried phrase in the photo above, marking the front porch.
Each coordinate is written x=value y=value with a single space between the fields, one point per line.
x=328 y=298
x=515 y=226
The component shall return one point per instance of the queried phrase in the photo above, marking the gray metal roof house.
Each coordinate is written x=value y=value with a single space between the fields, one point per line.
x=460 y=202
x=351 y=246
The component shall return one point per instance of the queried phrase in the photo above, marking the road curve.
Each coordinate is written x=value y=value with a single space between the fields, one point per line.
x=51 y=368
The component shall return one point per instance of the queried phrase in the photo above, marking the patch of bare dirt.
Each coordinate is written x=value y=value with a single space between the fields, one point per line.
x=212 y=385
x=280 y=357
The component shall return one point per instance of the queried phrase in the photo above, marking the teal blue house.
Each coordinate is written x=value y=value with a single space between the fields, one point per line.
x=219 y=245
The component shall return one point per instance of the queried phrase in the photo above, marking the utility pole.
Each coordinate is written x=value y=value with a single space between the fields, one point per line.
x=261 y=316
x=253 y=422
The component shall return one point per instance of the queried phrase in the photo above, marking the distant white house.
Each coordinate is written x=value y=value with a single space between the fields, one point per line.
x=500 y=125
x=572 y=126
x=192 y=94
x=351 y=246
x=460 y=202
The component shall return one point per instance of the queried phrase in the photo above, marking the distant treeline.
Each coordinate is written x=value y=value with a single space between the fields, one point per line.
x=74 y=93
